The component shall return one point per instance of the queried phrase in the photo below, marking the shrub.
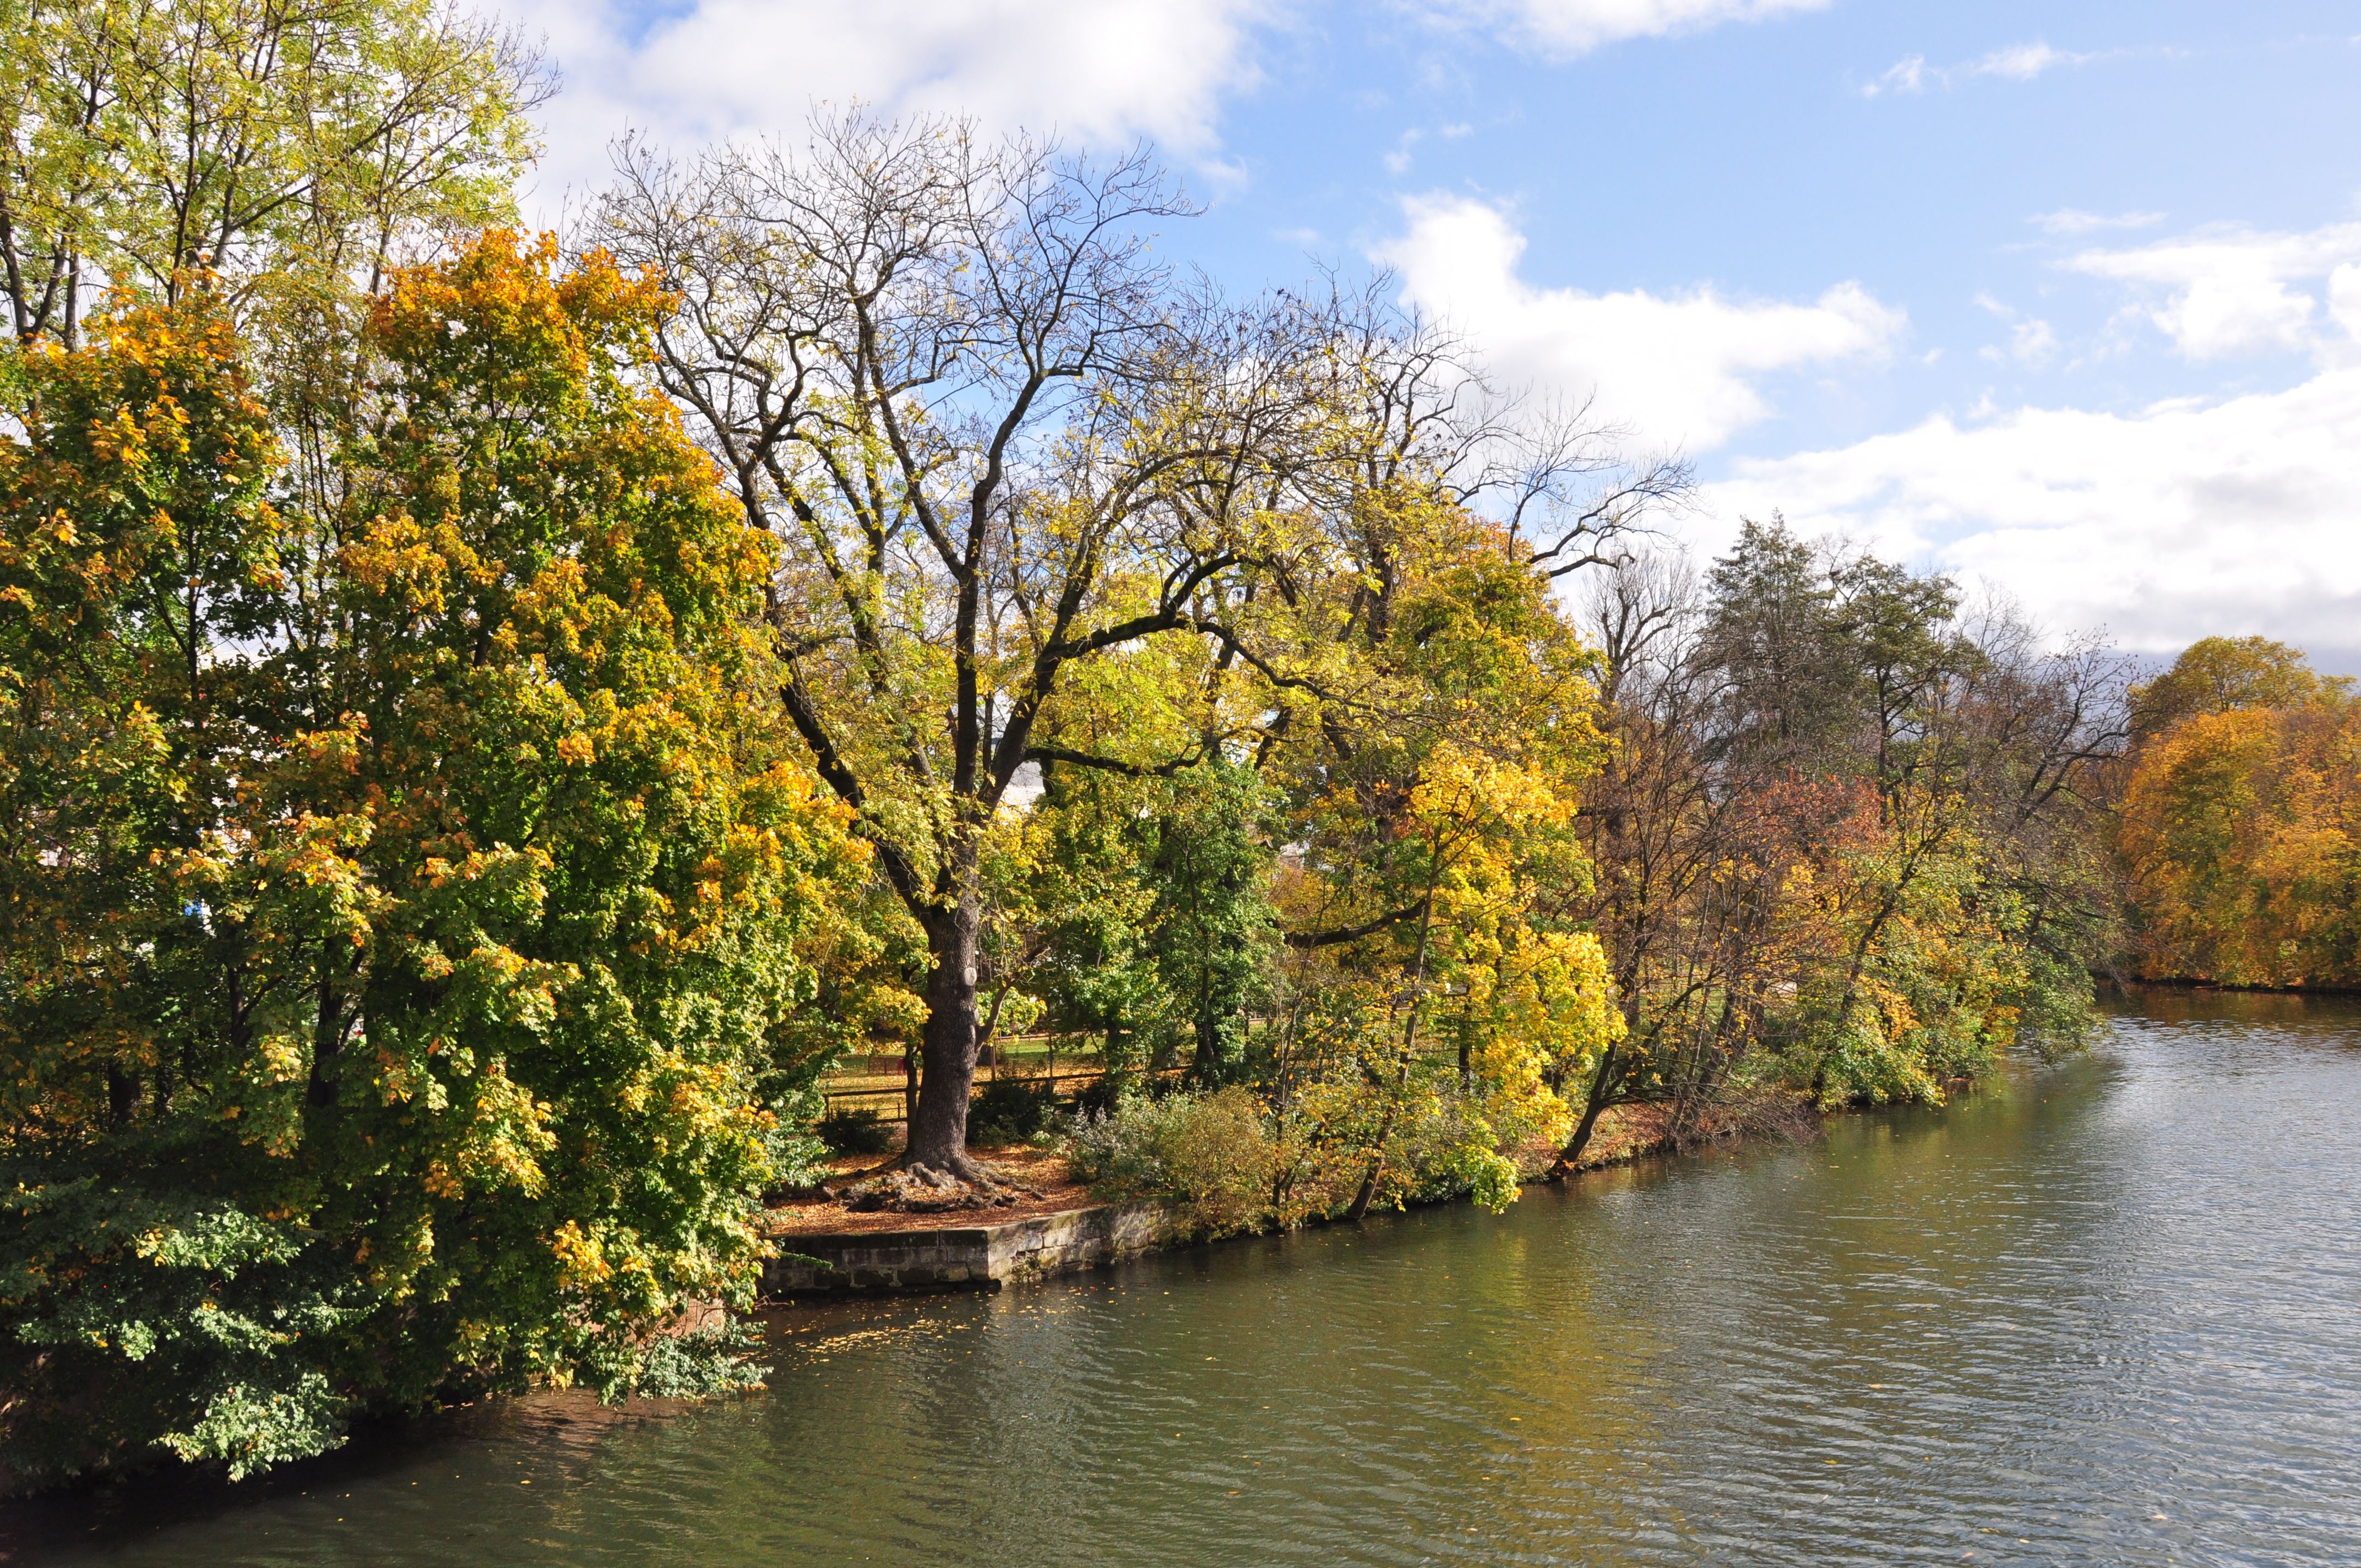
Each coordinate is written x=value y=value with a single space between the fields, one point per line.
x=1213 y=1154
x=1009 y=1110
x=1100 y=1096
x=855 y=1129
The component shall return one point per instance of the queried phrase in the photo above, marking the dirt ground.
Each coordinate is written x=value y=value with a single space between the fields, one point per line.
x=1039 y=1169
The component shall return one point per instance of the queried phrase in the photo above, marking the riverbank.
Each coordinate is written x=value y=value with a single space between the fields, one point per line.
x=828 y=1251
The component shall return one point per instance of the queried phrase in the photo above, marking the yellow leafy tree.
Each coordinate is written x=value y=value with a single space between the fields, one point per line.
x=401 y=902
x=2238 y=834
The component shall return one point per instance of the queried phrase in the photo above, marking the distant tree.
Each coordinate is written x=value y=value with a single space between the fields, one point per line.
x=2240 y=826
x=1842 y=820
x=2219 y=674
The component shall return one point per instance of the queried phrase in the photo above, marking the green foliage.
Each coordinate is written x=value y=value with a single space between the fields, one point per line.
x=855 y=1129
x=1228 y=1161
x=392 y=976
x=1152 y=898
x=1009 y=1110
x=1206 y=857
x=1213 y=1154
x=715 y=1357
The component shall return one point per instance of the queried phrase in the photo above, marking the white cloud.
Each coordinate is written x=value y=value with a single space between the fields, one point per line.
x=2022 y=62
x=1906 y=75
x=2018 y=62
x=1566 y=28
x=1093 y=70
x=2031 y=342
x=2188 y=518
x=2230 y=289
x=2345 y=299
x=1680 y=370
x=2069 y=221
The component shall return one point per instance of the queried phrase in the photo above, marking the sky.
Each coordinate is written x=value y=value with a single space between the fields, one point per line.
x=2064 y=299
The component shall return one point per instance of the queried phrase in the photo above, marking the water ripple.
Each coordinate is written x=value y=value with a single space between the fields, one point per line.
x=2109 y=1312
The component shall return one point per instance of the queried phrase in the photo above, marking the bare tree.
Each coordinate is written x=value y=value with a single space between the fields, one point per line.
x=995 y=440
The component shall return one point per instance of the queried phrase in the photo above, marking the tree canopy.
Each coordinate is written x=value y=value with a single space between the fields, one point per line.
x=392 y=973
x=488 y=722
x=2241 y=827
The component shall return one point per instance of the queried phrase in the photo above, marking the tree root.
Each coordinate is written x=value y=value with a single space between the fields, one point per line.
x=959 y=1164
x=917 y=1188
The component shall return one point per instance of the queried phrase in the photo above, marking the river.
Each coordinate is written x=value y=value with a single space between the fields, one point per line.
x=2106 y=1313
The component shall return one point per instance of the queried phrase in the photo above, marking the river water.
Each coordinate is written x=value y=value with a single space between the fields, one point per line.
x=2108 y=1312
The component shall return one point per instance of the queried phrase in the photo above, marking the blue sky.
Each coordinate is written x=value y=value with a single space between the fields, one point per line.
x=2063 y=299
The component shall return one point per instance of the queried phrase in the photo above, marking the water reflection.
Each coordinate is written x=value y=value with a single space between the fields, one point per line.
x=2104 y=1313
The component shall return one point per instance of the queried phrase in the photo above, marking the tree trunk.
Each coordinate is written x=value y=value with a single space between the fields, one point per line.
x=1601 y=1082
x=909 y=1085
x=947 y=1048
x=1360 y=1209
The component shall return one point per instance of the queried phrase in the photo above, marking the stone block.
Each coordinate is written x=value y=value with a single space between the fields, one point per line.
x=968 y=1257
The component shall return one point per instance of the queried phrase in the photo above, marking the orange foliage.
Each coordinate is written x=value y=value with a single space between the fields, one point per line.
x=2238 y=834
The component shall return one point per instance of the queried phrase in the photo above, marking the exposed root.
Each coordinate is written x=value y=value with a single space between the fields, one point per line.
x=919 y=1187
x=972 y=1171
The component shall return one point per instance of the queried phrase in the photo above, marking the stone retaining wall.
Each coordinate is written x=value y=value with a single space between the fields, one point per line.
x=965 y=1257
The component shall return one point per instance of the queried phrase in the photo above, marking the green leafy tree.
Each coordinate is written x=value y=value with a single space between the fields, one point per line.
x=1214 y=931
x=389 y=1012
x=294 y=151
x=1153 y=901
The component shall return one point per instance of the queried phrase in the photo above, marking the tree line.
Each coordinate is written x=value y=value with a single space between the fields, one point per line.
x=487 y=721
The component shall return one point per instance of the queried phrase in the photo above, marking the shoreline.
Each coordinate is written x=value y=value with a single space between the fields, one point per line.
x=828 y=1254
x=2234 y=988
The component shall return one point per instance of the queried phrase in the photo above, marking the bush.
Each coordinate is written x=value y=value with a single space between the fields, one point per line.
x=717 y=1357
x=1100 y=1096
x=1009 y=1110
x=1213 y=1154
x=855 y=1129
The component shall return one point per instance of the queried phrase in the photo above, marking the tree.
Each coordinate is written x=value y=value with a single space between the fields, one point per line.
x=2240 y=827
x=997 y=447
x=387 y=1009
x=1845 y=820
x=284 y=148
x=1151 y=899
x=2222 y=674
x=1037 y=505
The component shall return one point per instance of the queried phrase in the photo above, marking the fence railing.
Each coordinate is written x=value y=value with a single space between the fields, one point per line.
x=888 y=1090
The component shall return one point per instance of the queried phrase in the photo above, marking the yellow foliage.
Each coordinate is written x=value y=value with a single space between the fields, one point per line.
x=2239 y=831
